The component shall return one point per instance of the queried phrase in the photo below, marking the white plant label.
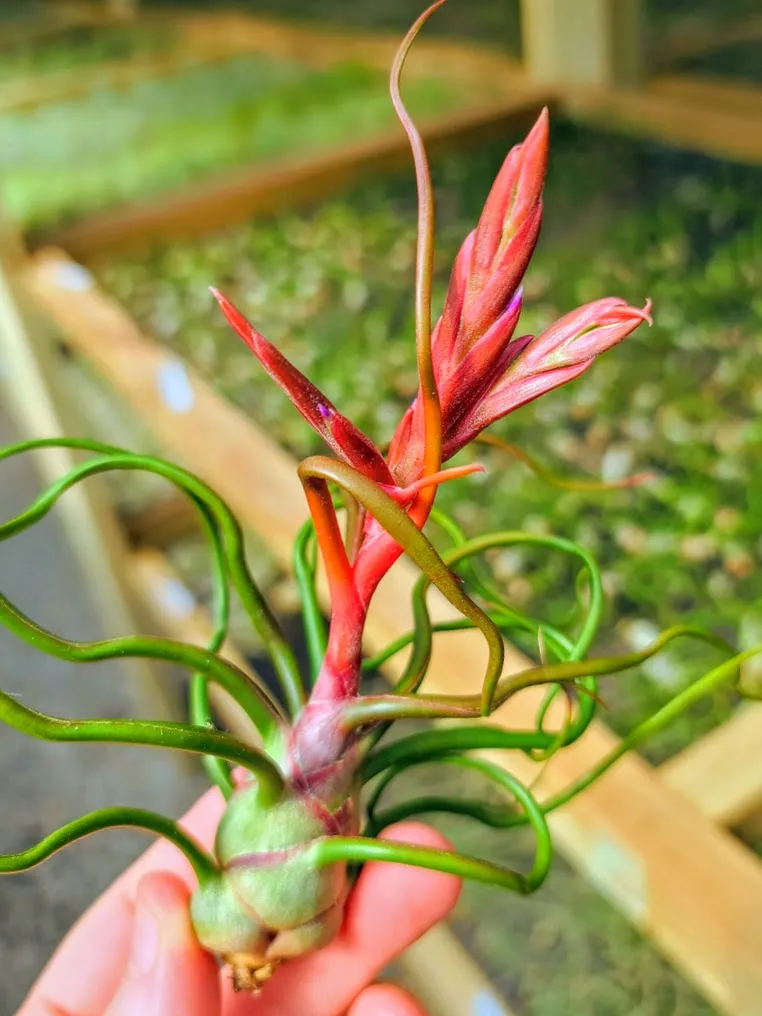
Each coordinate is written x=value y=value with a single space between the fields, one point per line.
x=73 y=277
x=175 y=386
x=484 y=1004
x=177 y=598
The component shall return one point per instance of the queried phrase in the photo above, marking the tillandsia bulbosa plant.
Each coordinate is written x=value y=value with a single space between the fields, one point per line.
x=297 y=824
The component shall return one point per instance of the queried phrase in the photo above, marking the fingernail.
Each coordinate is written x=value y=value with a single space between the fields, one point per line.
x=145 y=940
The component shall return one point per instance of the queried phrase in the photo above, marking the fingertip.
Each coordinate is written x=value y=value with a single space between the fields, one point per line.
x=74 y=980
x=162 y=893
x=167 y=969
x=386 y=1000
x=416 y=832
x=86 y=968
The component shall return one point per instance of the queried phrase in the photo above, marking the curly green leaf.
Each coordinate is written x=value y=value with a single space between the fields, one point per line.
x=111 y=818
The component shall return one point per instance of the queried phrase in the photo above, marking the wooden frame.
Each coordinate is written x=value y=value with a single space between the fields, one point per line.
x=593 y=42
x=653 y=841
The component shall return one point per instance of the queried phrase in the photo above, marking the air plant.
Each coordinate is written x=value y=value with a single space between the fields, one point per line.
x=296 y=825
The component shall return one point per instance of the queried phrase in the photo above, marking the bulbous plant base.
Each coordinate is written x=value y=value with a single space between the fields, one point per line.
x=269 y=901
x=249 y=972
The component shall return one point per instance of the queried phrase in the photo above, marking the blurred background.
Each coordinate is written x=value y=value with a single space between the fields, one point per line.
x=150 y=149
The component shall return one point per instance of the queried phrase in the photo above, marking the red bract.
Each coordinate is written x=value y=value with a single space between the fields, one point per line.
x=339 y=433
x=481 y=373
x=558 y=355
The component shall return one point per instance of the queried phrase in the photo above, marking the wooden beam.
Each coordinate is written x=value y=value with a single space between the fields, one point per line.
x=703 y=118
x=122 y=10
x=437 y=967
x=690 y=886
x=39 y=406
x=722 y=772
x=590 y=42
x=318 y=45
x=719 y=95
x=234 y=198
x=684 y=42
x=447 y=980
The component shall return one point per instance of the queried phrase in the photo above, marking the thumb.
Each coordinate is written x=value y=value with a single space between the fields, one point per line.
x=168 y=971
x=385 y=1000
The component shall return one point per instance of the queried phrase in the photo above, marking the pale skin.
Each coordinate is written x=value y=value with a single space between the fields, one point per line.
x=134 y=951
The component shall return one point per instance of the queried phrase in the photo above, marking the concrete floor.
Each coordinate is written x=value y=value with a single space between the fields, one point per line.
x=44 y=785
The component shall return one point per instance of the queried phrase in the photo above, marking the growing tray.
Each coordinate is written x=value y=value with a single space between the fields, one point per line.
x=213 y=94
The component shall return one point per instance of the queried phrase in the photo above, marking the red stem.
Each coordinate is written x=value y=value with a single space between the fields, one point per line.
x=432 y=415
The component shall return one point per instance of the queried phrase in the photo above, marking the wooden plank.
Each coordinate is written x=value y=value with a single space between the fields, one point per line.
x=165 y=598
x=40 y=409
x=710 y=126
x=690 y=886
x=447 y=979
x=685 y=41
x=222 y=202
x=722 y=772
x=710 y=93
x=592 y=42
x=437 y=967
x=315 y=44
x=122 y=10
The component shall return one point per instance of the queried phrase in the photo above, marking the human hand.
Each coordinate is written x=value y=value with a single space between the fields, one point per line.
x=133 y=953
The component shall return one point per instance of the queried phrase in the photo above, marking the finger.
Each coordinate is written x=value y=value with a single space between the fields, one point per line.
x=167 y=970
x=391 y=906
x=386 y=1000
x=86 y=968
